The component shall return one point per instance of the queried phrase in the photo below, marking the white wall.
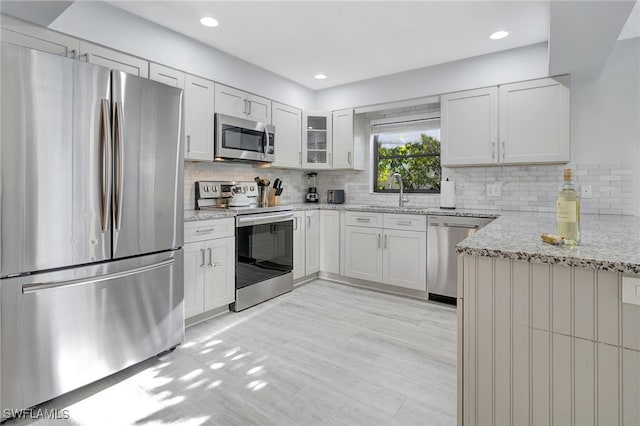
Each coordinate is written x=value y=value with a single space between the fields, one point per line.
x=524 y=63
x=105 y=24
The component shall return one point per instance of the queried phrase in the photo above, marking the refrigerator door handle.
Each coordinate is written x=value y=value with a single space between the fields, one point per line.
x=105 y=163
x=34 y=288
x=119 y=164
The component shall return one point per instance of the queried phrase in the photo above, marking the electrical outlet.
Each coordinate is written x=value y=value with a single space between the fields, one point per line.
x=585 y=191
x=494 y=189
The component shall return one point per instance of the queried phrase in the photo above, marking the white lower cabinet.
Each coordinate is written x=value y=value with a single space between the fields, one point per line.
x=395 y=257
x=209 y=265
x=363 y=253
x=299 y=245
x=312 y=241
x=404 y=260
x=306 y=243
x=330 y=241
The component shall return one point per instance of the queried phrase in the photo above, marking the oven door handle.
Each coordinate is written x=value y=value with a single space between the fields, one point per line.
x=263 y=218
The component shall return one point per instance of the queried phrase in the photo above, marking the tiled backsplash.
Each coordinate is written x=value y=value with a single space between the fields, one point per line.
x=524 y=188
x=295 y=181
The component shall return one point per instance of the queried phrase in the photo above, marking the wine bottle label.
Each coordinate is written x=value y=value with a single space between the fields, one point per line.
x=567 y=211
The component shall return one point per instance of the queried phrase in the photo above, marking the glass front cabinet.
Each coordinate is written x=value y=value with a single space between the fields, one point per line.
x=316 y=140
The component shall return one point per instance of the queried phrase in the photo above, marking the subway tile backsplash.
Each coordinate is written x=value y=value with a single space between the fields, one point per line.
x=295 y=181
x=524 y=188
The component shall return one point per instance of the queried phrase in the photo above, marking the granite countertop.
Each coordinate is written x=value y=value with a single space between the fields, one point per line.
x=609 y=242
x=195 y=215
x=396 y=210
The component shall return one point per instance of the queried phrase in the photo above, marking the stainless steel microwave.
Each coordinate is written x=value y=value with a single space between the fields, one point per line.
x=243 y=140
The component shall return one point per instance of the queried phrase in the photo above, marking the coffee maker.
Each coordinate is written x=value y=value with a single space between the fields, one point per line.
x=312 y=191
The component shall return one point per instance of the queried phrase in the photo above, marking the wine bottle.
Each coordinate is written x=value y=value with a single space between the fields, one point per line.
x=568 y=210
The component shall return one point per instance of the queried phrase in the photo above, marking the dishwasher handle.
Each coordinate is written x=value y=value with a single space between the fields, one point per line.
x=454 y=225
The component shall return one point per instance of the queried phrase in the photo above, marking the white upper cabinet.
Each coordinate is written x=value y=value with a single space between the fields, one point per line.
x=166 y=75
x=317 y=142
x=99 y=55
x=469 y=132
x=237 y=103
x=343 y=139
x=34 y=37
x=534 y=121
x=288 y=142
x=526 y=122
x=198 y=118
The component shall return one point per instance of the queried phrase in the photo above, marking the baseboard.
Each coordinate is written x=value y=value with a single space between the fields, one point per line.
x=370 y=285
x=304 y=280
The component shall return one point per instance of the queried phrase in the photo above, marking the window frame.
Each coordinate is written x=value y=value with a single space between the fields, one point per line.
x=375 y=158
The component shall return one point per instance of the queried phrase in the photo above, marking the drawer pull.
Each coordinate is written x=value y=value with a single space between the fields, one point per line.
x=404 y=222
x=363 y=219
x=205 y=230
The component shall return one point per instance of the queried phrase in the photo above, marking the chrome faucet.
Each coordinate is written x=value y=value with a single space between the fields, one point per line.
x=401 y=199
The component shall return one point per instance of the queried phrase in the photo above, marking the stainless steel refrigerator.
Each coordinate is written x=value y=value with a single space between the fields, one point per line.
x=91 y=266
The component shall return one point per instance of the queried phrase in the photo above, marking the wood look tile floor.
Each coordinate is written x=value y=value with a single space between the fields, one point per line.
x=325 y=354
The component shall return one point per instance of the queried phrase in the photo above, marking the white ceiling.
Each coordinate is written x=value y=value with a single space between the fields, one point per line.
x=350 y=41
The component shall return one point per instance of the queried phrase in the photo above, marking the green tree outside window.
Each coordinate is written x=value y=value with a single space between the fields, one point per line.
x=417 y=161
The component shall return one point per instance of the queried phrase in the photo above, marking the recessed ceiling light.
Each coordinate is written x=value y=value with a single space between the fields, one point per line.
x=207 y=21
x=498 y=35
x=320 y=76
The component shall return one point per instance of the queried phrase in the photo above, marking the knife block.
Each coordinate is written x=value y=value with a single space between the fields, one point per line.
x=274 y=200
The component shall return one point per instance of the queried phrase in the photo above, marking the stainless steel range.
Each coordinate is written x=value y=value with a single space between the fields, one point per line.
x=264 y=240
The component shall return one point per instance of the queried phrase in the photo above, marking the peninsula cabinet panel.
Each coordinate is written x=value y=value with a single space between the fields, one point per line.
x=540 y=291
x=631 y=328
x=561 y=299
x=520 y=348
x=484 y=333
x=502 y=339
x=608 y=385
x=608 y=302
x=631 y=387
x=540 y=375
x=584 y=411
x=561 y=379
x=521 y=358
x=584 y=302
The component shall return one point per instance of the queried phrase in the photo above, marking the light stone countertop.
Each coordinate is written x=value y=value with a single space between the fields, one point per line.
x=609 y=242
x=196 y=215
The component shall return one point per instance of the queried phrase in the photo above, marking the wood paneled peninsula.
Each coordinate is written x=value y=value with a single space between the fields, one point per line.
x=546 y=334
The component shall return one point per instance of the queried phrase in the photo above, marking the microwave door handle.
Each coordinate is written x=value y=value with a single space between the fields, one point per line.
x=266 y=145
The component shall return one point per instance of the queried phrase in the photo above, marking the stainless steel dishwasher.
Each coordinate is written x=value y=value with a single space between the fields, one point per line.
x=443 y=233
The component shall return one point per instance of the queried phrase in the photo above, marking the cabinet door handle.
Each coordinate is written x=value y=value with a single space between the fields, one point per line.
x=188 y=143
x=308 y=222
x=249 y=105
x=300 y=155
x=504 y=150
x=385 y=240
x=202 y=264
x=378 y=240
x=349 y=157
x=295 y=224
x=72 y=53
x=210 y=256
x=493 y=150
x=86 y=56
x=206 y=230
x=329 y=158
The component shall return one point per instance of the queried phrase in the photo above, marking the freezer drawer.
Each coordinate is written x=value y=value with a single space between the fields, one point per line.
x=63 y=330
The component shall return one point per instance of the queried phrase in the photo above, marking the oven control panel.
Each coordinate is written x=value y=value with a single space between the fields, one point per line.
x=211 y=193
